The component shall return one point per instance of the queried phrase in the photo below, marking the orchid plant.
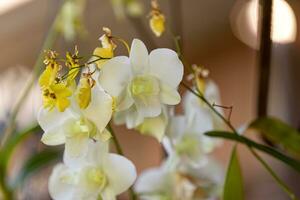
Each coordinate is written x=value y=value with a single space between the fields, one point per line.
x=81 y=101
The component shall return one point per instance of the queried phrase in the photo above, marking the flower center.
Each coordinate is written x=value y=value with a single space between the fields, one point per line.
x=187 y=145
x=95 y=178
x=82 y=127
x=144 y=85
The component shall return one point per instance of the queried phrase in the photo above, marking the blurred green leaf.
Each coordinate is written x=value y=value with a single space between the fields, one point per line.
x=36 y=162
x=250 y=143
x=233 y=188
x=278 y=132
x=13 y=142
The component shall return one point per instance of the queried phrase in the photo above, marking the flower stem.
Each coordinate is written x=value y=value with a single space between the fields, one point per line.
x=120 y=151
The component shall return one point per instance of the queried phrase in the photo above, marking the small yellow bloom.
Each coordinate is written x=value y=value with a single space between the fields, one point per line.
x=200 y=75
x=106 y=51
x=157 y=24
x=56 y=95
x=157 y=19
x=84 y=93
x=52 y=67
x=55 y=92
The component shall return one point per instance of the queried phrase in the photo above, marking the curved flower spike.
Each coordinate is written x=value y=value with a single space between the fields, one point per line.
x=75 y=127
x=142 y=83
x=101 y=175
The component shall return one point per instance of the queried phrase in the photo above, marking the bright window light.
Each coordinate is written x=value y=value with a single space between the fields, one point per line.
x=284 y=27
x=7 y=5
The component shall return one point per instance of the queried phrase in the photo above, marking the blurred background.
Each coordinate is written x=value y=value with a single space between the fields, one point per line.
x=221 y=35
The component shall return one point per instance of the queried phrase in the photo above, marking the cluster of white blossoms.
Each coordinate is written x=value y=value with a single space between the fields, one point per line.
x=137 y=91
x=189 y=171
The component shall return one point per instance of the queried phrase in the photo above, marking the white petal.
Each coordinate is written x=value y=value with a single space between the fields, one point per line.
x=108 y=194
x=155 y=126
x=49 y=119
x=59 y=189
x=176 y=127
x=149 y=106
x=200 y=121
x=212 y=92
x=124 y=100
x=131 y=117
x=169 y=95
x=51 y=122
x=121 y=173
x=165 y=65
x=115 y=74
x=54 y=136
x=77 y=146
x=99 y=110
x=98 y=152
x=151 y=181
x=138 y=56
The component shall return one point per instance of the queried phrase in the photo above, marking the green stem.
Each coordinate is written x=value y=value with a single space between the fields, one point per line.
x=274 y=175
x=243 y=139
x=120 y=151
x=7 y=194
x=49 y=42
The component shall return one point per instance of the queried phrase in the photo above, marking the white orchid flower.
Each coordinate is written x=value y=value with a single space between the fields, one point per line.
x=192 y=104
x=75 y=127
x=142 y=83
x=185 y=137
x=100 y=175
x=182 y=182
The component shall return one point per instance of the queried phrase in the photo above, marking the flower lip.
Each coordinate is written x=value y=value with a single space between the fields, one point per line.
x=95 y=177
x=144 y=85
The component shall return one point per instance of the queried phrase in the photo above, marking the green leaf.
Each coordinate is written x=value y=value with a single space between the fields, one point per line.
x=233 y=188
x=13 y=142
x=278 y=132
x=250 y=143
x=36 y=162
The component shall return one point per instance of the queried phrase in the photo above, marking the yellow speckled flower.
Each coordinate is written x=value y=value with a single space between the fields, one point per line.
x=55 y=93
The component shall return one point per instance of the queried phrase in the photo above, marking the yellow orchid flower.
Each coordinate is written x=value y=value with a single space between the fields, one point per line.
x=157 y=19
x=55 y=93
x=106 y=51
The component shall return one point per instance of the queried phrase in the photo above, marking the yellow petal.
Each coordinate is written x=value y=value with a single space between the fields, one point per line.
x=48 y=76
x=157 y=24
x=84 y=94
x=105 y=53
x=62 y=104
